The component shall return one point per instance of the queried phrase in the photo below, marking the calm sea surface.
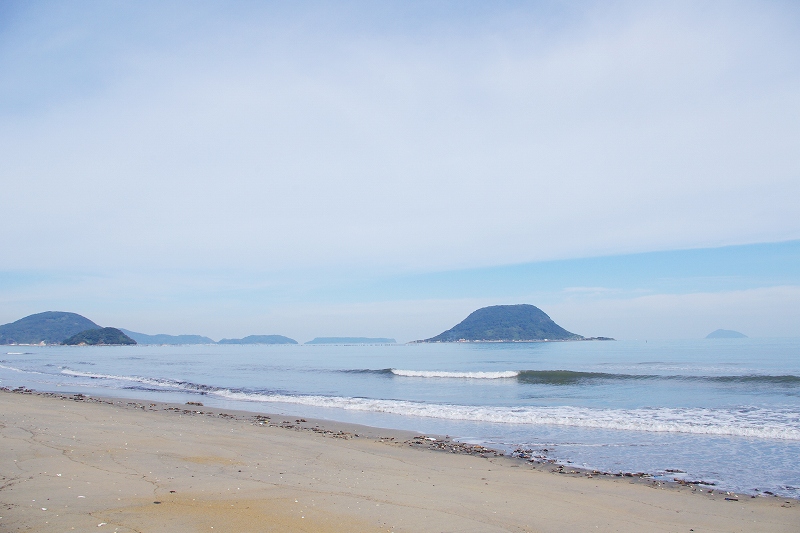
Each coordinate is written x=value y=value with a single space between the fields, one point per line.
x=721 y=411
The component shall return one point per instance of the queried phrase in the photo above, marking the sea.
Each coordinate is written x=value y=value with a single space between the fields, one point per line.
x=724 y=412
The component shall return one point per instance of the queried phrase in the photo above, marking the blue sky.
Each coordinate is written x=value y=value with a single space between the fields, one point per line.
x=382 y=169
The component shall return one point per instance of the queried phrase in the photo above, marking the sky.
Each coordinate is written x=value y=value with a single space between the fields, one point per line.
x=383 y=169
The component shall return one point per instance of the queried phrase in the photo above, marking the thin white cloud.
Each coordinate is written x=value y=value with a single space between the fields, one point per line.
x=294 y=143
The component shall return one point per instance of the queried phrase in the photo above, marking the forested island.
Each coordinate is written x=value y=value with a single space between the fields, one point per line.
x=100 y=337
x=508 y=323
x=50 y=327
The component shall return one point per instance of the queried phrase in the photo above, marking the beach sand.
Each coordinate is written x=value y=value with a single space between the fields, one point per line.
x=119 y=465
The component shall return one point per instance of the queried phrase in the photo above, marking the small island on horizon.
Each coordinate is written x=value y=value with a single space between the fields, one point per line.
x=508 y=323
x=259 y=339
x=726 y=334
x=351 y=340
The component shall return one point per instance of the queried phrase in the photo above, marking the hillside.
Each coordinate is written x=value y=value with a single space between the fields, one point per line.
x=50 y=327
x=100 y=337
x=143 y=338
x=260 y=339
x=506 y=323
x=351 y=340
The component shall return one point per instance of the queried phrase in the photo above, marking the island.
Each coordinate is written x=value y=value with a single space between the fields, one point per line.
x=99 y=337
x=50 y=327
x=351 y=340
x=726 y=334
x=260 y=339
x=161 y=338
x=508 y=323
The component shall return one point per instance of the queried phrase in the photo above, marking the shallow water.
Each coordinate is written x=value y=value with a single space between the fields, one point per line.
x=722 y=411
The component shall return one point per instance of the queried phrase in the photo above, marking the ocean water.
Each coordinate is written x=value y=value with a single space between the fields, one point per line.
x=721 y=411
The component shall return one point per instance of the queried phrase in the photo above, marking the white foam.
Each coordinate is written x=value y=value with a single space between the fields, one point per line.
x=782 y=424
x=756 y=423
x=134 y=379
x=19 y=370
x=462 y=375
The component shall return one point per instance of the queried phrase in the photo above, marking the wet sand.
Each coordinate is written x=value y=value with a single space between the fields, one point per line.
x=118 y=465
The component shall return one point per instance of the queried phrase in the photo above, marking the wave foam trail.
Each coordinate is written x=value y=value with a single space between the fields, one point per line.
x=463 y=375
x=4 y=367
x=745 y=422
x=755 y=422
x=169 y=383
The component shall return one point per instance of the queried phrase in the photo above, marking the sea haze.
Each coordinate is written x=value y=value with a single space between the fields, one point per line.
x=721 y=411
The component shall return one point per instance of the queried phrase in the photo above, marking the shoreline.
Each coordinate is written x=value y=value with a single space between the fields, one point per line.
x=341 y=465
x=434 y=442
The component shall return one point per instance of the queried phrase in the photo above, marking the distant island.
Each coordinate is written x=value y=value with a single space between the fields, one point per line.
x=59 y=327
x=726 y=334
x=260 y=339
x=50 y=327
x=351 y=340
x=508 y=323
x=100 y=337
x=161 y=338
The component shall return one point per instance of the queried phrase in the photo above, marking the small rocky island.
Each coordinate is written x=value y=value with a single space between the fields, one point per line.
x=726 y=334
x=508 y=323
x=99 y=337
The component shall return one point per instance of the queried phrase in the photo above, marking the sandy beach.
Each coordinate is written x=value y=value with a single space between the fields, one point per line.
x=72 y=463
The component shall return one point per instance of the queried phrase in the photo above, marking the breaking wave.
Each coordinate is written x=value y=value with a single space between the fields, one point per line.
x=462 y=375
x=782 y=424
x=568 y=377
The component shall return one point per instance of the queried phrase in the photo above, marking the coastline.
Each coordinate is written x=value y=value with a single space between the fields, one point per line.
x=89 y=461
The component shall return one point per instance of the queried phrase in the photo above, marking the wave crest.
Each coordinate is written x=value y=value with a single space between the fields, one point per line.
x=462 y=375
x=780 y=424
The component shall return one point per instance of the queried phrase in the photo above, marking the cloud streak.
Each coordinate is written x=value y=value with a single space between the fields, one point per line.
x=275 y=137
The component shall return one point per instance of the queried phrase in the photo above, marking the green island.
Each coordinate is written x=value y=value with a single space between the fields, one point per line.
x=508 y=323
x=50 y=327
x=99 y=337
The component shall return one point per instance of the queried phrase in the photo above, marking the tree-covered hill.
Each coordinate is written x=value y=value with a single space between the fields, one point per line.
x=506 y=323
x=50 y=327
x=100 y=337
